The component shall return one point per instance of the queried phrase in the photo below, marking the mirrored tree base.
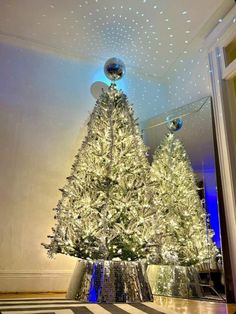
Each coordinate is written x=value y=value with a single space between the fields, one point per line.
x=175 y=281
x=109 y=282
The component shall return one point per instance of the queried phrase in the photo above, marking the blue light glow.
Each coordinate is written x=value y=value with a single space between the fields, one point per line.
x=211 y=201
x=100 y=76
x=92 y=290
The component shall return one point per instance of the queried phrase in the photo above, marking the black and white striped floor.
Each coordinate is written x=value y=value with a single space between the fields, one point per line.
x=63 y=306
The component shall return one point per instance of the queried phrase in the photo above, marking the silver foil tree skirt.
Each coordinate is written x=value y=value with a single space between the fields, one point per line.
x=109 y=282
x=170 y=280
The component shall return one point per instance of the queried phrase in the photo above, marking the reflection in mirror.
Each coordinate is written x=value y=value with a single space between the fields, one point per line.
x=192 y=124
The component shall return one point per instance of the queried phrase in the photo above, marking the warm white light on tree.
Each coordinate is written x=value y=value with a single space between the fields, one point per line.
x=181 y=235
x=105 y=211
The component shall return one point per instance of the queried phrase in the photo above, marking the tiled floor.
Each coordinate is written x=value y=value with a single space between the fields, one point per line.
x=55 y=303
x=184 y=306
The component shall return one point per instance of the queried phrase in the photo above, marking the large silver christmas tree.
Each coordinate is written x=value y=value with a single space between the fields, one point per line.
x=105 y=212
x=180 y=228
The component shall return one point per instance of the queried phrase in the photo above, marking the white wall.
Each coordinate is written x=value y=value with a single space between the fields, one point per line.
x=40 y=121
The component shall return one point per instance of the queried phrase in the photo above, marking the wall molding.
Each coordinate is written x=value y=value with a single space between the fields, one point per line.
x=34 y=281
x=29 y=274
x=222 y=107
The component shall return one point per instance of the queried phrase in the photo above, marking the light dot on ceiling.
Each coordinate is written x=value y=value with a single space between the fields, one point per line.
x=121 y=34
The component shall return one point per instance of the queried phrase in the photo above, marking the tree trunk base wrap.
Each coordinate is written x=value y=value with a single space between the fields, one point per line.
x=109 y=282
x=175 y=281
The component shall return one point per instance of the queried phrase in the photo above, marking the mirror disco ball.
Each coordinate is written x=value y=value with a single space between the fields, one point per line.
x=114 y=69
x=174 y=124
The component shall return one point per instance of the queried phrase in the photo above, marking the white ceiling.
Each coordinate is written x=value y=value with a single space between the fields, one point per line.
x=149 y=35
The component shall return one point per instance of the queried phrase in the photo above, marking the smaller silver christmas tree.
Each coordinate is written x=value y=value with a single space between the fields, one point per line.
x=180 y=229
